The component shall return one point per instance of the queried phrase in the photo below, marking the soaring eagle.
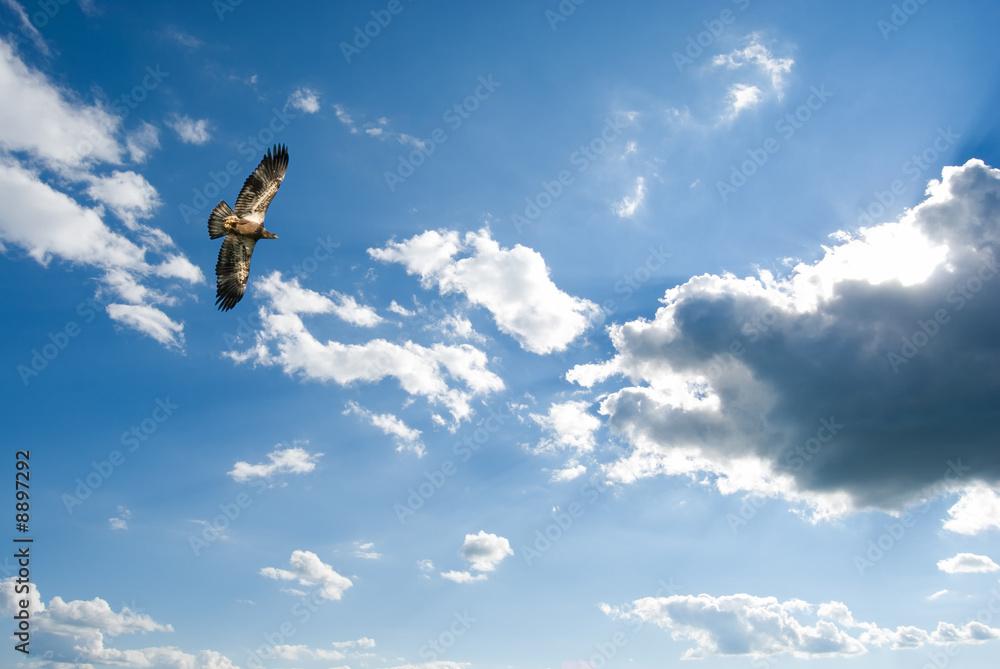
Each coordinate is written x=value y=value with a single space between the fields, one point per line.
x=245 y=226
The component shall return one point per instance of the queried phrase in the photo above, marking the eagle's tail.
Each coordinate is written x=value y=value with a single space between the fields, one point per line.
x=217 y=220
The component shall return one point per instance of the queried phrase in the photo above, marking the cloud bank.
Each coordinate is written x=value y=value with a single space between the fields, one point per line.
x=867 y=379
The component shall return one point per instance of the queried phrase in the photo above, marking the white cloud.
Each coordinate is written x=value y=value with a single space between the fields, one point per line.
x=217 y=532
x=746 y=625
x=128 y=288
x=484 y=550
x=757 y=55
x=302 y=652
x=27 y=27
x=96 y=614
x=421 y=371
x=436 y=664
x=49 y=122
x=456 y=326
x=348 y=309
x=52 y=128
x=365 y=550
x=512 y=284
x=462 y=576
x=141 y=141
x=967 y=563
x=72 y=632
x=290 y=297
x=743 y=96
x=345 y=118
x=428 y=255
x=59 y=226
x=406 y=438
x=188 y=129
x=120 y=522
x=184 y=39
x=743 y=379
x=569 y=426
x=977 y=510
x=625 y=208
x=128 y=195
x=305 y=100
x=573 y=470
x=363 y=642
x=149 y=320
x=310 y=571
x=395 y=308
x=379 y=130
x=291 y=460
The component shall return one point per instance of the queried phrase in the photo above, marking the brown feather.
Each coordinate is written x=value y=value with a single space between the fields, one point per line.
x=260 y=187
x=244 y=225
x=232 y=270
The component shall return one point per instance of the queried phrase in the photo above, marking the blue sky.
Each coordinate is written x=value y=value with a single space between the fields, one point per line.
x=628 y=335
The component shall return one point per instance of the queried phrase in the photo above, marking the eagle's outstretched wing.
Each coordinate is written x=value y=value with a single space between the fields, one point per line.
x=260 y=187
x=232 y=270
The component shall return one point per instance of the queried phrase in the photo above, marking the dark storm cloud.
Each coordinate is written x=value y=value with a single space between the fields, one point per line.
x=887 y=390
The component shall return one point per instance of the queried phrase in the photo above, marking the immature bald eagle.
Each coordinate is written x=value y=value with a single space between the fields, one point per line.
x=245 y=226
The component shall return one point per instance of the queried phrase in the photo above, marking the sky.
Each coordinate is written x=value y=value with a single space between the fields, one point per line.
x=597 y=334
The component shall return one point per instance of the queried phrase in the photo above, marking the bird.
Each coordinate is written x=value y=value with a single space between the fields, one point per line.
x=244 y=226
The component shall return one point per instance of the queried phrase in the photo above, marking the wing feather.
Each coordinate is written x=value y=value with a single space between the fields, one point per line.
x=260 y=187
x=232 y=270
